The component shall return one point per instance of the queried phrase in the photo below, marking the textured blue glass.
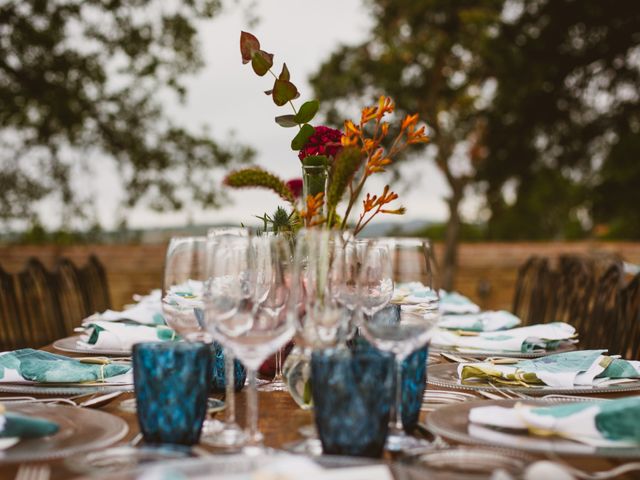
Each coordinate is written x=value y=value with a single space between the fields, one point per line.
x=172 y=381
x=414 y=379
x=219 y=382
x=352 y=395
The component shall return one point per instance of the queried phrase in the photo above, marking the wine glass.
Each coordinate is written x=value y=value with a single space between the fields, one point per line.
x=318 y=280
x=244 y=273
x=182 y=302
x=398 y=261
x=230 y=434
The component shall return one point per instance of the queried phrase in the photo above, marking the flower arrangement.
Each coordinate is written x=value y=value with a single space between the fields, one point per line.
x=336 y=164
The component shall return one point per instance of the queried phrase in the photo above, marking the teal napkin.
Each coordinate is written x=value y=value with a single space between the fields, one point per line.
x=604 y=423
x=14 y=425
x=489 y=321
x=35 y=366
x=122 y=335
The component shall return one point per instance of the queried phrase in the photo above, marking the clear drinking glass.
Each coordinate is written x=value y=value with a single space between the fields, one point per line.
x=230 y=434
x=319 y=288
x=245 y=273
x=397 y=261
x=182 y=302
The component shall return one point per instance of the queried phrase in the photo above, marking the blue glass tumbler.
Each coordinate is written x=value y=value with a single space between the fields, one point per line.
x=172 y=381
x=352 y=396
x=219 y=378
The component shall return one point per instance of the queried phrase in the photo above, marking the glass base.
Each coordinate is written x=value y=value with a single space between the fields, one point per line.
x=401 y=442
x=273 y=386
x=308 y=431
x=309 y=446
x=222 y=435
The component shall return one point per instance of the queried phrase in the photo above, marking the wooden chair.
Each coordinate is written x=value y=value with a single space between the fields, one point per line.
x=628 y=332
x=605 y=319
x=11 y=329
x=71 y=294
x=573 y=287
x=531 y=295
x=95 y=286
x=39 y=308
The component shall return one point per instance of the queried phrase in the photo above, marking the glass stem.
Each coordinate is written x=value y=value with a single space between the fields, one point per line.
x=278 y=376
x=398 y=427
x=255 y=438
x=229 y=380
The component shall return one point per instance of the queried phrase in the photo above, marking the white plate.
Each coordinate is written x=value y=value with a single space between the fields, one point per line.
x=452 y=422
x=70 y=344
x=81 y=430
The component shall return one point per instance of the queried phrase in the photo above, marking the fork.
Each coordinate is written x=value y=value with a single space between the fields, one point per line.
x=33 y=472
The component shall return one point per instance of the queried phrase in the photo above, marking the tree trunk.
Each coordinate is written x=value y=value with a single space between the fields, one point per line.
x=452 y=238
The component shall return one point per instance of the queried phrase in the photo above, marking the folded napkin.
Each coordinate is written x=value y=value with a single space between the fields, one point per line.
x=545 y=336
x=35 y=366
x=14 y=425
x=489 y=321
x=415 y=293
x=605 y=423
x=562 y=370
x=147 y=311
x=185 y=296
x=122 y=335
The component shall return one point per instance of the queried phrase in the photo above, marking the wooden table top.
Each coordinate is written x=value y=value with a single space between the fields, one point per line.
x=280 y=419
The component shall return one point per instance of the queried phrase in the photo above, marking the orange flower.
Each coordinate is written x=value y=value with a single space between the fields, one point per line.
x=416 y=136
x=311 y=214
x=409 y=121
x=350 y=128
x=368 y=114
x=385 y=105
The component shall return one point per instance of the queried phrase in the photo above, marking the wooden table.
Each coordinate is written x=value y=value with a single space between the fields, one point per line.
x=280 y=418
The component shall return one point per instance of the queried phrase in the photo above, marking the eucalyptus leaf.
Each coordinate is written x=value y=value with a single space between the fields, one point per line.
x=300 y=140
x=249 y=45
x=284 y=74
x=283 y=91
x=307 y=111
x=261 y=62
x=287 y=121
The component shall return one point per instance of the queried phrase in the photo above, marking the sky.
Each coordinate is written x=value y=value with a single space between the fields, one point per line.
x=228 y=97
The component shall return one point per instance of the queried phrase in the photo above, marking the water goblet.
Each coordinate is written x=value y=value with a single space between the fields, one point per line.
x=244 y=273
x=398 y=261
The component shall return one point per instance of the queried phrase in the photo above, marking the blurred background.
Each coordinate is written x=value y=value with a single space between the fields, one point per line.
x=119 y=119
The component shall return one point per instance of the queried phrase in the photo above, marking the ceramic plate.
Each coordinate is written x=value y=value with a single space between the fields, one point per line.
x=81 y=430
x=563 y=347
x=446 y=376
x=70 y=344
x=452 y=422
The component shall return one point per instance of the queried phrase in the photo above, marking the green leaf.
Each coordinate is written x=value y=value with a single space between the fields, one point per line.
x=307 y=111
x=287 y=121
x=249 y=45
x=261 y=62
x=283 y=91
x=300 y=140
x=284 y=74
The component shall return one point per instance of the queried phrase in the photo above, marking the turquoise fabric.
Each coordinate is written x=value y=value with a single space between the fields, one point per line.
x=45 y=367
x=26 y=427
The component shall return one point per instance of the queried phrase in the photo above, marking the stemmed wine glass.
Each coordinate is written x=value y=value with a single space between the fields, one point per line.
x=182 y=303
x=244 y=273
x=397 y=261
x=320 y=319
x=230 y=434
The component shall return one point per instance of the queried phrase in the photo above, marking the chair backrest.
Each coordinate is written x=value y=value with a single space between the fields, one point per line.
x=95 y=285
x=39 y=307
x=532 y=293
x=573 y=290
x=602 y=329
x=69 y=289
x=11 y=327
x=629 y=331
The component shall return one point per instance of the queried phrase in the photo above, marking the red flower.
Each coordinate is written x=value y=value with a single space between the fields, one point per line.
x=324 y=141
x=295 y=185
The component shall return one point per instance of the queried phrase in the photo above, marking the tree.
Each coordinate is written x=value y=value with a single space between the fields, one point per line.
x=426 y=55
x=564 y=127
x=80 y=83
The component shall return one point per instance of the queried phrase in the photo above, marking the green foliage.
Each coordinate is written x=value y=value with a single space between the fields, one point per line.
x=307 y=111
x=287 y=121
x=343 y=169
x=261 y=62
x=259 y=178
x=283 y=91
x=302 y=137
x=80 y=86
x=566 y=74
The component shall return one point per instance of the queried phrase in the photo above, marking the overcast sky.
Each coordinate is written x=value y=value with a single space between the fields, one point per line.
x=228 y=97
